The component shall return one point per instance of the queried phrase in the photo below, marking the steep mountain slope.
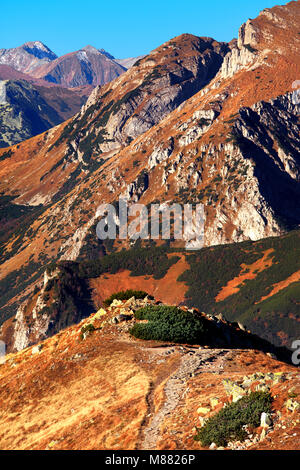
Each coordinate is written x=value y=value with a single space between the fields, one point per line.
x=27 y=110
x=194 y=121
x=87 y=66
x=27 y=57
x=106 y=390
x=256 y=283
x=74 y=141
x=157 y=84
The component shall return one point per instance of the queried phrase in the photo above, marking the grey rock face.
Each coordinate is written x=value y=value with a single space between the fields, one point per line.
x=23 y=112
x=160 y=88
x=170 y=90
x=243 y=53
x=137 y=188
x=27 y=110
x=264 y=145
x=3 y=92
x=268 y=135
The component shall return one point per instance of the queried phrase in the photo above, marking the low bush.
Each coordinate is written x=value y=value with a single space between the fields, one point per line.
x=227 y=424
x=167 y=323
x=125 y=295
x=87 y=328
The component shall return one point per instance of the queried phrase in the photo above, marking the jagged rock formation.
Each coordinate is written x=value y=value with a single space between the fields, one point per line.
x=268 y=135
x=62 y=300
x=156 y=85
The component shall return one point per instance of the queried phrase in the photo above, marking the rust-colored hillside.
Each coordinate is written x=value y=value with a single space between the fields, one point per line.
x=197 y=121
x=107 y=390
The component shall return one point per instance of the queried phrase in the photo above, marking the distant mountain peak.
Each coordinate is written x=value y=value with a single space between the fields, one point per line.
x=94 y=50
x=27 y=57
x=37 y=44
x=87 y=66
x=90 y=49
x=38 y=49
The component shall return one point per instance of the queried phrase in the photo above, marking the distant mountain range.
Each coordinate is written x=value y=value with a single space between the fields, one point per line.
x=88 y=66
x=28 y=106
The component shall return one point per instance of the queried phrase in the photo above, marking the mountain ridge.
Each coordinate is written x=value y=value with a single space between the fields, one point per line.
x=212 y=145
x=88 y=66
x=135 y=394
x=255 y=283
x=27 y=57
x=40 y=63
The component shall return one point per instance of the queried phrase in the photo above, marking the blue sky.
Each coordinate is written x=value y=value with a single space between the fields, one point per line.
x=124 y=28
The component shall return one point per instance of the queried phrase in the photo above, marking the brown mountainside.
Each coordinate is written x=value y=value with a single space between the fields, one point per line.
x=107 y=390
x=192 y=121
x=85 y=67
